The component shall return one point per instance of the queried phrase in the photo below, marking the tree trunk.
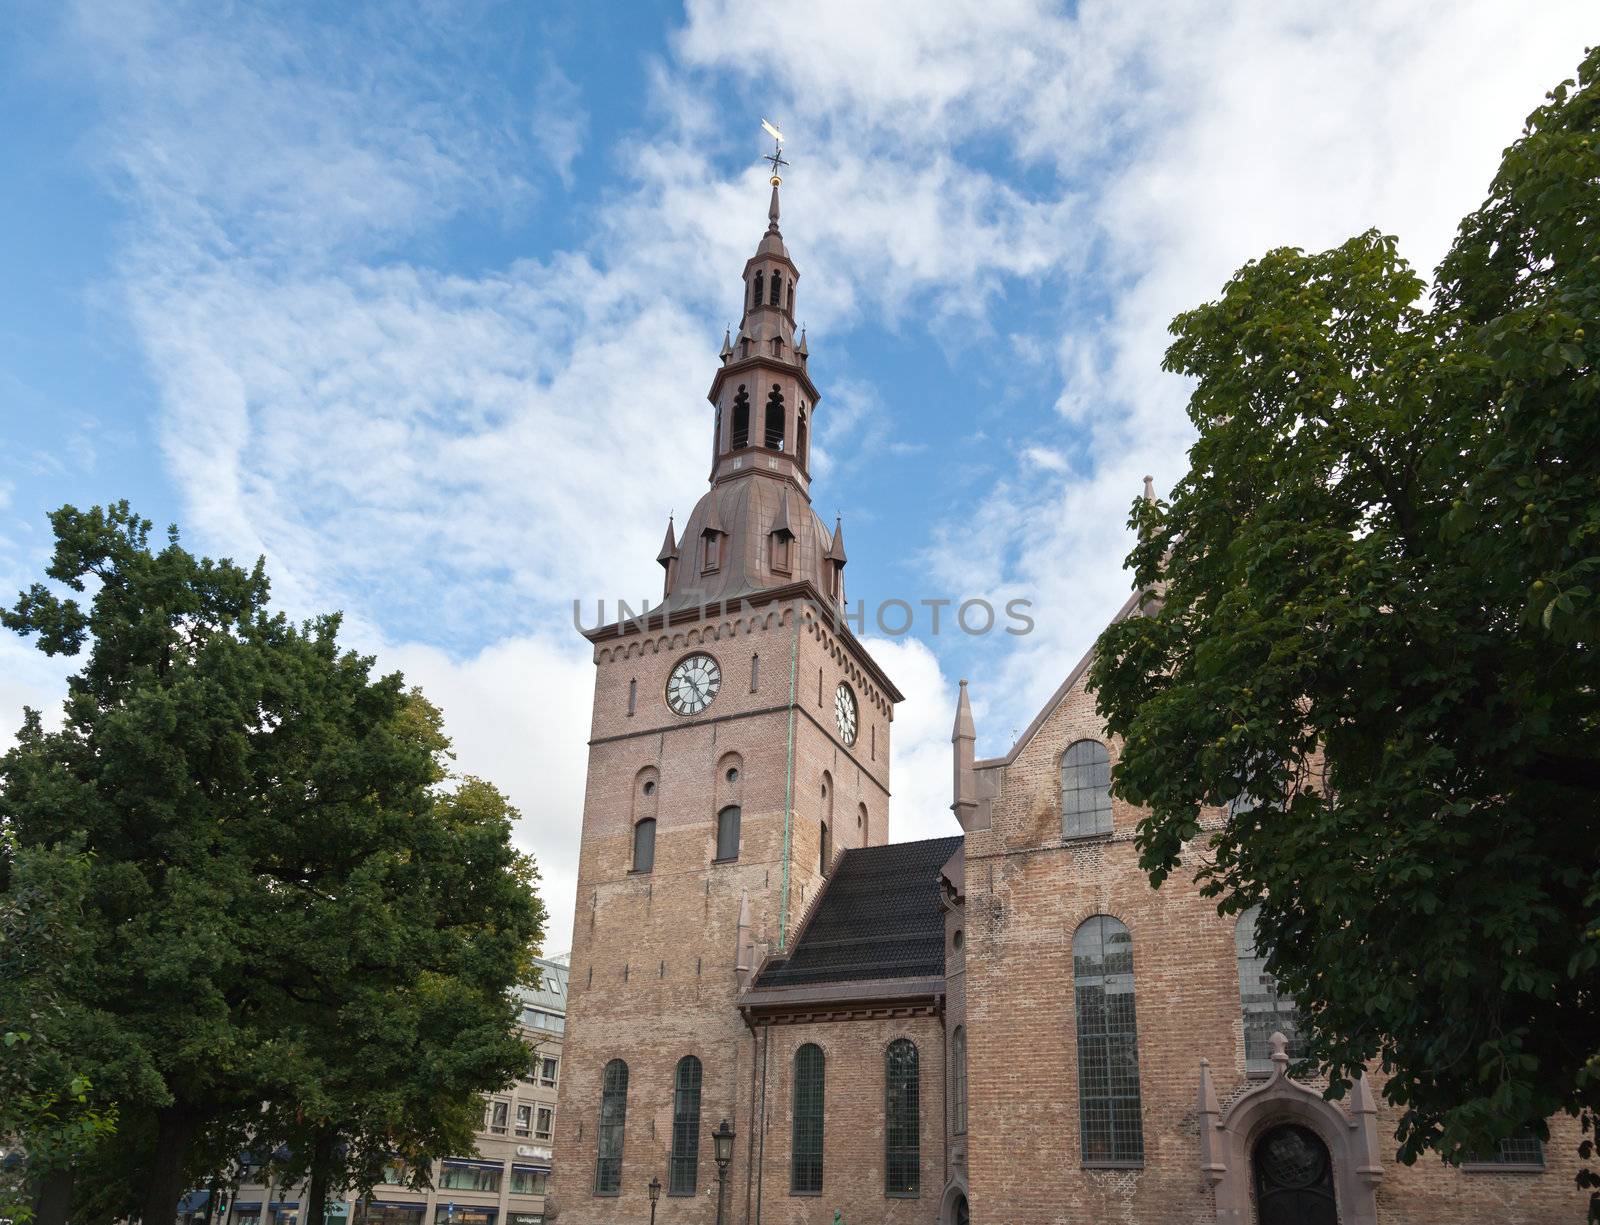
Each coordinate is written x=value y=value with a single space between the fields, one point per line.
x=55 y=1198
x=321 y=1167
x=176 y=1126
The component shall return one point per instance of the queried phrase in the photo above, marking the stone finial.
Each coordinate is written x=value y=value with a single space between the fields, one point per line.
x=727 y=344
x=1149 y=489
x=964 y=729
x=1280 y=1052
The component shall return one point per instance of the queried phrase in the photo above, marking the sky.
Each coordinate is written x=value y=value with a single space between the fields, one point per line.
x=421 y=300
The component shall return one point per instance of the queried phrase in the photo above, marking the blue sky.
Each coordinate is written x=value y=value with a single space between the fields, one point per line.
x=421 y=300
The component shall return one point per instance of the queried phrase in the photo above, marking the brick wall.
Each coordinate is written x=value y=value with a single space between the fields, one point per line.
x=1027 y=890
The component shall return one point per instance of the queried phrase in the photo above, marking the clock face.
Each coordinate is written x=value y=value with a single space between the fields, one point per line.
x=693 y=684
x=844 y=712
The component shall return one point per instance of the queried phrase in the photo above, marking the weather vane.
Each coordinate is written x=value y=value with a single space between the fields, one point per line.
x=776 y=156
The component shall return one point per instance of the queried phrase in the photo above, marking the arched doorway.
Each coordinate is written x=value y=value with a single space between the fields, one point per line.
x=1293 y=1178
x=960 y=1215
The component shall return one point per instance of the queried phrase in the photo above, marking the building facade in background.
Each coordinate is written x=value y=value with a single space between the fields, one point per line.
x=1008 y=1025
x=505 y=1181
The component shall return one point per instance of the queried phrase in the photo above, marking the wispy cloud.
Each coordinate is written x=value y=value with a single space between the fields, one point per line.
x=453 y=457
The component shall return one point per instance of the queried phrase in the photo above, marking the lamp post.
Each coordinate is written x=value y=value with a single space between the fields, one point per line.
x=722 y=1148
x=655 y=1194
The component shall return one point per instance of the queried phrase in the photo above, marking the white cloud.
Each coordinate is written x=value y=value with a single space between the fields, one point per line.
x=456 y=457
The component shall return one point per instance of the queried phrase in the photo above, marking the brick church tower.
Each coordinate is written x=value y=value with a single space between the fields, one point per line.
x=739 y=743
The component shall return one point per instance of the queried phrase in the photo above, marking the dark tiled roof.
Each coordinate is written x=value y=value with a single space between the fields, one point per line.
x=879 y=917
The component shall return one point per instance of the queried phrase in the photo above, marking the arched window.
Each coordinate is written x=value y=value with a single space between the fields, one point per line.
x=728 y=832
x=685 y=1159
x=1108 y=1044
x=775 y=418
x=800 y=437
x=958 y=1081
x=826 y=855
x=755 y=298
x=902 y=1132
x=644 y=845
x=777 y=289
x=1265 y=1011
x=741 y=418
x=1085 y=790
x=791 y=297
x=805 y=1160
x=613 y=1117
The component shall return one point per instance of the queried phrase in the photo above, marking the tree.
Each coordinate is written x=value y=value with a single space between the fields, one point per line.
x=47 y=1105
x=1373 y=613
x=272 y=839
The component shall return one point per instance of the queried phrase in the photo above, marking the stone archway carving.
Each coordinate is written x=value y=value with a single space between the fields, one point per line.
x=1226 y=1138
x=954 y=1200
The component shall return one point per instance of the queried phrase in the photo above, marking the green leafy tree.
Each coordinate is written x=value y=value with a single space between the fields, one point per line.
x=272 y=838
x=49 y=1109
x=1373 y=611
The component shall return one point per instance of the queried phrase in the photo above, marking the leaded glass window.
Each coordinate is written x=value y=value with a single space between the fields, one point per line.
x=902 y=1139
x=805 y=1162
x=1108 y=1044
x=1521 y=1147
x=685 y=1128
x=1265 y=1011
x=958 y=1081
x=1085 y=790
x=613 y=1117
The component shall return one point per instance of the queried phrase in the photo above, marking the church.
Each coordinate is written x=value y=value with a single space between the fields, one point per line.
x=1007 y=1026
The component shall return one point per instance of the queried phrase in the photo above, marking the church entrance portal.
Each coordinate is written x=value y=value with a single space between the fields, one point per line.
x=1294 y=1178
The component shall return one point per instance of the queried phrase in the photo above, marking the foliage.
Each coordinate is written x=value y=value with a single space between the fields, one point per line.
x=49 y=1111
x=1374 y=609
x=274 y=846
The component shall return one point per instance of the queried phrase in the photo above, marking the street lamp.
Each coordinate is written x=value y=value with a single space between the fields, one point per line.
x=655 y=1194
x=722 y=1148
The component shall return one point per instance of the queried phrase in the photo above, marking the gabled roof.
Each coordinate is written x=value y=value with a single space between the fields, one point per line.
x=1130 y=606
x=879 y=917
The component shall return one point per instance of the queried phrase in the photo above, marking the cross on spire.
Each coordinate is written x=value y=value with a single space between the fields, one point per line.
x=776 y=156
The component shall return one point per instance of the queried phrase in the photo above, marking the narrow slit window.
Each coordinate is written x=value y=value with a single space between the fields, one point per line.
x=633 y=695
x=958 y=1081
x=826 y=852
x=609 y=1134
x=728 y=832
x=755 y=672
x=774 y=422
x=644 y=845
x=902 y=1126
x=685 y=1160
x=805 y=1162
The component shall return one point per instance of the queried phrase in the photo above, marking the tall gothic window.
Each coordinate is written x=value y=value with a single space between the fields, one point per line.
x=1108 y=1044
x=728 y=832
x=777 y=290
x=902 y=1138
x=800 y=436
x=774 y=433
x=741 y=418
x=958 y=1081
x=1085 y=790
x=755 y=298
x=1265 y=1011
x=685 y=1159
x=805 y=1160
x=644 y=845
x=613 y=1117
